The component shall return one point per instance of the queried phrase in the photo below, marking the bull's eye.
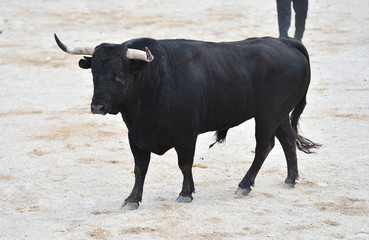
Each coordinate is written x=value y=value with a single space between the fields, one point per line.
x=119 y=80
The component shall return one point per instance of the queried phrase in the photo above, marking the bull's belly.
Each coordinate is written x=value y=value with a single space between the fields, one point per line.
x=227 y=109
x=224 y=122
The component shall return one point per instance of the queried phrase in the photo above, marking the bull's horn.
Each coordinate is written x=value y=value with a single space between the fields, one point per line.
x=77 y=50
x=139 y=54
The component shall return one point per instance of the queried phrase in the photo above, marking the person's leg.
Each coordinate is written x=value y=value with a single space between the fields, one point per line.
x=284 y=17
x=301 y=8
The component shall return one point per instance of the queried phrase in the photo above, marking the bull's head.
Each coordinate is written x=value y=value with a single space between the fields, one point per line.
x=112 y=72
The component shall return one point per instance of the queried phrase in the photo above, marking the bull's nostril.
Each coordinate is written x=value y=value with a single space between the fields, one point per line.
x=98 y=109
x=102 y=109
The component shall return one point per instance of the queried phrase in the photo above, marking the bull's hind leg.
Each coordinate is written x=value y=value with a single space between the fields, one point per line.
x=287 y=137
x=265 y=135
x=185 y=152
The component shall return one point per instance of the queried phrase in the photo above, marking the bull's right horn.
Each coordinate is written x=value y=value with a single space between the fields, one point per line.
x=77 y=50
x=139 y=54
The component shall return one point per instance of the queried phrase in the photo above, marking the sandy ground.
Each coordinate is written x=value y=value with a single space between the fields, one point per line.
x=64 y=172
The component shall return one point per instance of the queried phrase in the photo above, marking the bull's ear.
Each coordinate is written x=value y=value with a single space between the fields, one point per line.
x=85 y=62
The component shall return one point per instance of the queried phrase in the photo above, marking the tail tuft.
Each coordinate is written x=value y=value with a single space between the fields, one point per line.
x=305 y=145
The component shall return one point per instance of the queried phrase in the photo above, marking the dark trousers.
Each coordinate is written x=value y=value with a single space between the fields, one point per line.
x=284 y=17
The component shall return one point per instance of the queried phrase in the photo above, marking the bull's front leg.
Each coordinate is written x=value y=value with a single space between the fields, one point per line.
x=185 y=154
x=142 y=160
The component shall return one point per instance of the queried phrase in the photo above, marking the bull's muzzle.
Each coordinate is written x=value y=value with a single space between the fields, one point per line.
x=99 y=109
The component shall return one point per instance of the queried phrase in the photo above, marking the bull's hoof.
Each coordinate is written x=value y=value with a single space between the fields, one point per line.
x=184 y=199
x=290 y=181
x=128 y=206
x=243 y=191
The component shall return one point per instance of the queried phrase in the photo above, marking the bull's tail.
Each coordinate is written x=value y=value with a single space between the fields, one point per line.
x=303 y=144
x=220 y=136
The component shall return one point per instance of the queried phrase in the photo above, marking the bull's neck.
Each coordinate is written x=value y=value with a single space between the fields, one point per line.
x=146 y=96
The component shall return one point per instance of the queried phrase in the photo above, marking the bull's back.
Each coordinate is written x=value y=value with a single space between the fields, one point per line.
x=230 y=81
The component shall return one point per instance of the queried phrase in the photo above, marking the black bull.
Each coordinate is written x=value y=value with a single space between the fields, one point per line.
x=179 y=89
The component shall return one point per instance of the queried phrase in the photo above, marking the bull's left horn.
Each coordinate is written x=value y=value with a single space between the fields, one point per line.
x=139 y=54
x=77 y=50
